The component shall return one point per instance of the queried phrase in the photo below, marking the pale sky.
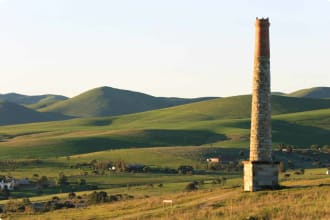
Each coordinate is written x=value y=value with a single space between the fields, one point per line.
x=183 y=48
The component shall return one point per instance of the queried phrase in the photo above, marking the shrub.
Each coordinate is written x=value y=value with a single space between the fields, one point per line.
x=68 y=204
x=71 y=195
x=97 y=197
x=185 y=169
x=55 y=198
x=315 y=147
x=62 y=179
x=82 y=182
x=326 y=149
x=4 y=193
x=191 y=186
x=14 y=206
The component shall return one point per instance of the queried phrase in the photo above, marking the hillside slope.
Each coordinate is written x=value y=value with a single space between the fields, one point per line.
x=11 y=113
x=107 y=101
x=47 y=101
x=237 y=107
x=28 y=100
x=316 y=92
x=208 y=122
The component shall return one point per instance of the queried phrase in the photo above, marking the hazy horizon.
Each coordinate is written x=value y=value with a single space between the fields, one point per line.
x=169 y=48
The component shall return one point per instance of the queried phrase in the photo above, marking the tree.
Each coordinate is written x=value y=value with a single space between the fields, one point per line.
x=281 y=167
x=43 y=182
x=120 y=166
x=82 y=182
x=62 y=179
x=4 y=193
x=280 y=147
x=223 y=180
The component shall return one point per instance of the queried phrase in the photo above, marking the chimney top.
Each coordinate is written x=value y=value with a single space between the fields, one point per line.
x=262 y=21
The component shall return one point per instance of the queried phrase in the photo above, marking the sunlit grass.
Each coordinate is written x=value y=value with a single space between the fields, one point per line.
x=308 y=199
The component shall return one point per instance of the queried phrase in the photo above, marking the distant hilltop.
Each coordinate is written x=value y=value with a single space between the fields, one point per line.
x=316 y=92
x=108 y=101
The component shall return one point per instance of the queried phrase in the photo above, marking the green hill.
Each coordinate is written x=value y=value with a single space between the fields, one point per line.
x=48 y=100
x=236 y=107
x=278 y=93
x=107 y=101
x=11 y=113
x=316 y=92
x=95 y=103
x=28 y=100
x=223 y=122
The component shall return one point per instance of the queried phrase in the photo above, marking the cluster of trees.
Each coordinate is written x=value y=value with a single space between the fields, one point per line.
x=185 y=169
x=41 y=182
x=194 y=185
x=24 y=205
x=14 y=164
x=100 y=166
x=72 y=201
x=324 y=149
x=232 y=166
x=287 y=148
x=103 y=197
x=313 y=147
x=62 y=179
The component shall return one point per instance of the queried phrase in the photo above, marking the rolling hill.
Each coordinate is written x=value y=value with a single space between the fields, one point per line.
x=11 y=113
x=48 y=100
x=28 y=100
x=316 y=92
x=107 y=101
x=236 y=107
x=225 y=122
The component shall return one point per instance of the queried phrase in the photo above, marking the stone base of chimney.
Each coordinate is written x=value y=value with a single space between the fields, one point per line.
x=260 y=175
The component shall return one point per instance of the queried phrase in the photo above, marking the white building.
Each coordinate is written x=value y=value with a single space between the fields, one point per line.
x=7 y=185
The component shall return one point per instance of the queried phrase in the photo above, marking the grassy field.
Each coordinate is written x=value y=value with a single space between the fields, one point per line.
x=304 y=197
x=165 y=139
x=175 y=126
x=157 y=158
x=163 y=157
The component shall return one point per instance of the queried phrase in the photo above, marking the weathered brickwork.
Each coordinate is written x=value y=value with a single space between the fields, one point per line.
x=260 y=172
x=260 y=140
